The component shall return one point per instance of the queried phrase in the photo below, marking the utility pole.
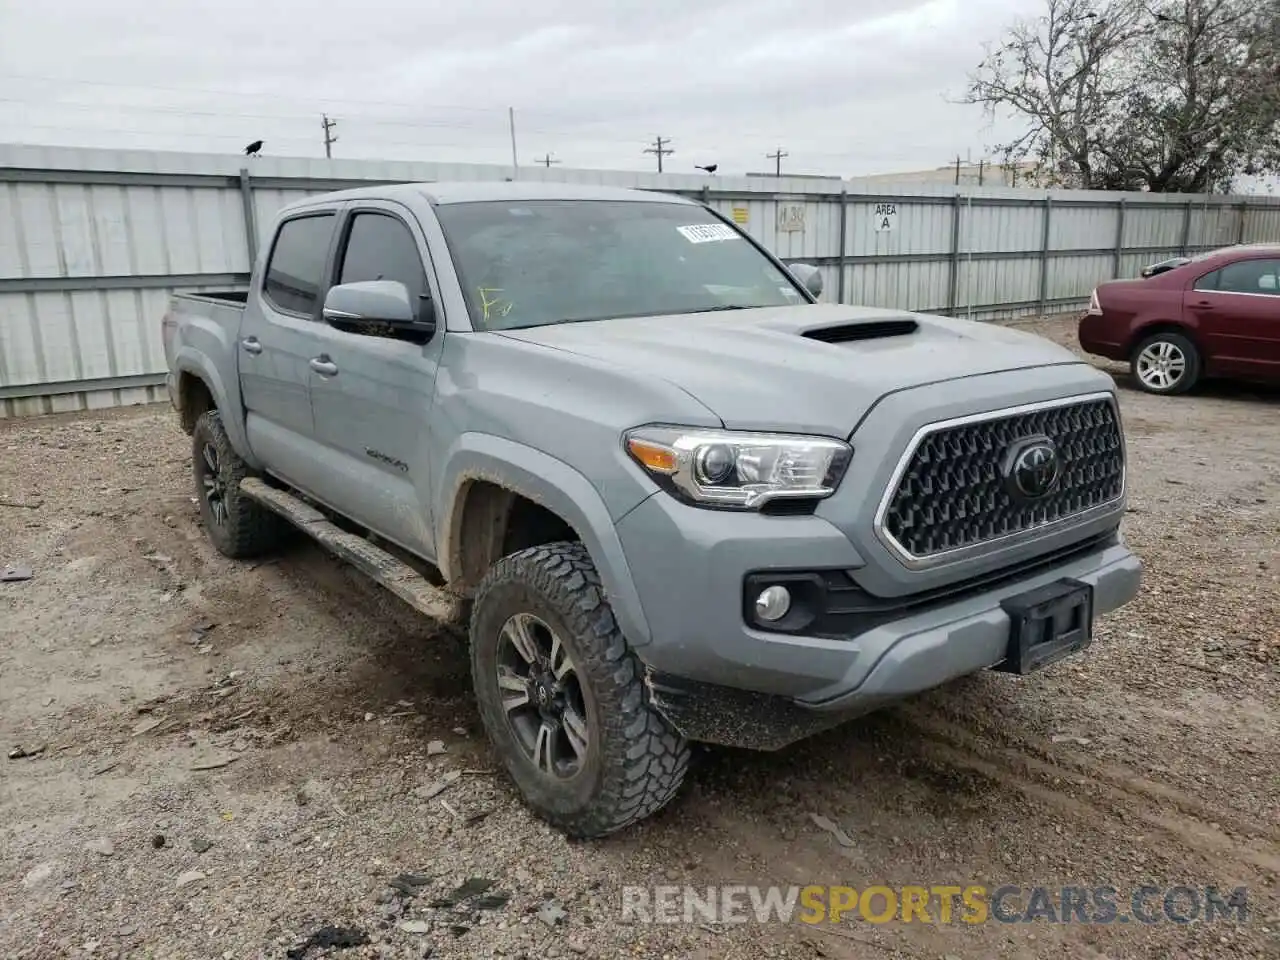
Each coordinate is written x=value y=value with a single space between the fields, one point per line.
x=659 y=150
x=511 y=120
x=776 y=157
x=329 y=137
x=957 y=169
x=981 y=165
x=546 y=161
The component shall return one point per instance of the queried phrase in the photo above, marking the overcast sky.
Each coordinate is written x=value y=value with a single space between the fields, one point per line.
x=846 y=87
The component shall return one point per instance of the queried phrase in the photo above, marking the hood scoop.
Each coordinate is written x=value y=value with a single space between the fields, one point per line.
x=869 y=330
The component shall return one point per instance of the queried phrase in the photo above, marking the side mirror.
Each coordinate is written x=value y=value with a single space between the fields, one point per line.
x=808 y=275
x=379 y=307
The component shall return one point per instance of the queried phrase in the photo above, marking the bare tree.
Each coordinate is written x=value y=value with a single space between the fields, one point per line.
x=1162 y=95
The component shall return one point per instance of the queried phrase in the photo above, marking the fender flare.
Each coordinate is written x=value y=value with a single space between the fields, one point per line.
x=550 y=483
x=191 y=361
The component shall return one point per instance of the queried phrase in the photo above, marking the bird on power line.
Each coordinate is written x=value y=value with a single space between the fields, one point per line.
x=710 y=167
x=252 y=149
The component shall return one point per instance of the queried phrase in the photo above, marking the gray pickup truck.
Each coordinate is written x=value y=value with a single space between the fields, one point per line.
x=678 y=498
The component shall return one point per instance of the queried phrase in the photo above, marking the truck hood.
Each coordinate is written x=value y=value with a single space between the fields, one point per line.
x=815 y=369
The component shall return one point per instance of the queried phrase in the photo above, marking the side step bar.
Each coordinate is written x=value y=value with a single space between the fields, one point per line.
x=398 y=577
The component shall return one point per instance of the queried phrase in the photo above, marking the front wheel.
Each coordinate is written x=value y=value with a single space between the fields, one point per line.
x=563 y=698
x=1165 y=363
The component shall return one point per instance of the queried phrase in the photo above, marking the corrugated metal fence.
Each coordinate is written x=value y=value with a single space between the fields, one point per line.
x=93 y=241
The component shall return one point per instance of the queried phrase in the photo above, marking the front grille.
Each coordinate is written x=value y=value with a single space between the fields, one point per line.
x=953 y=494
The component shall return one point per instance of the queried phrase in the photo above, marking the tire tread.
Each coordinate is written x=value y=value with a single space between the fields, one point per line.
x=251 y=528
x=645 y=759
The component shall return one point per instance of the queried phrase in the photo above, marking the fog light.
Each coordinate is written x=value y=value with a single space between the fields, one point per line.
x=773 y=603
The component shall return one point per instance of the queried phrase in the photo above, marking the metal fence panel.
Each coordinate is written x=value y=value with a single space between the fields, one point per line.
x=92 y=242
x=919 y=229
x=997 y=281
x=1262 y=224
x=909 y=286
x=1068 y=276
x=1153 y=227
x=1083 y=228
x=1004 y=229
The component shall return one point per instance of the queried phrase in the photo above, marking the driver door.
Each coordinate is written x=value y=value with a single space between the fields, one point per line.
x=372 y=395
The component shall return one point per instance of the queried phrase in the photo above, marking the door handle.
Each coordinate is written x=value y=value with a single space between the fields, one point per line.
x=251 y=345
x=1203 y=305
x=324 y=366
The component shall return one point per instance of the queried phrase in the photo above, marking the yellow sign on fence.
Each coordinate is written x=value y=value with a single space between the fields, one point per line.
x=740 y=216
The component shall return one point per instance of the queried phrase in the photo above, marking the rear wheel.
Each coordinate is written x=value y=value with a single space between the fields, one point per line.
x=1165 y=362
x=563 y=697
x=235 y=525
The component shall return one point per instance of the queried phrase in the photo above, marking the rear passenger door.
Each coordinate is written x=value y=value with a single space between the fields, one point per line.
x=1236 y=309
x=373 y=406
x=278 y=340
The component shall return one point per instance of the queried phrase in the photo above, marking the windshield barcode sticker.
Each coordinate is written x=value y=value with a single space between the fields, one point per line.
x=708 y=232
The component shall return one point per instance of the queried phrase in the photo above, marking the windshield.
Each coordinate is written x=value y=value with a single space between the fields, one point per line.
x=535 y=262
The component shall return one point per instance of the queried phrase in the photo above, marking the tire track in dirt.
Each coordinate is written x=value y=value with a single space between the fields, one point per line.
x=1024 y=760
x=1116 y=793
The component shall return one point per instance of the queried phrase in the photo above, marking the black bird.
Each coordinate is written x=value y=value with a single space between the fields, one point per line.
x=252 y=149
x=710 y=167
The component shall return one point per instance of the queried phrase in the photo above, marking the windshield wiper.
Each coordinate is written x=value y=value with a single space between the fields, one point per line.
x=724 y=306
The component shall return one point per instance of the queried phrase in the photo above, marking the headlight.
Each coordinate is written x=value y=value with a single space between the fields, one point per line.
x=739 y=470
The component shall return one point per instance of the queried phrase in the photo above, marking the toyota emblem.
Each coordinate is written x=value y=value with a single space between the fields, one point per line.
x=1032 y=468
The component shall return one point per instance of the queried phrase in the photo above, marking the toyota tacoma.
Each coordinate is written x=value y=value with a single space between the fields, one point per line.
x=673 y=496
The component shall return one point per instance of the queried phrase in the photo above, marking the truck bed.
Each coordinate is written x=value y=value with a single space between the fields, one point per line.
x=204 y=325
x=220 y=297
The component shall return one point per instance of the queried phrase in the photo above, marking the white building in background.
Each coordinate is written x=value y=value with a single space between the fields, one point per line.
x=984 y=173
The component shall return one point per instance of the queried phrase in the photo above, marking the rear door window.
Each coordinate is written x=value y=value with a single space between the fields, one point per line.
x=295 y=270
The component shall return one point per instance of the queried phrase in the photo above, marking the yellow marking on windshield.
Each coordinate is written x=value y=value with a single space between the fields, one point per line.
x=488 y=302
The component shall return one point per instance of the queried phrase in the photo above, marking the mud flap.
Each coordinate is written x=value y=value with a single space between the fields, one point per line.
x=707 y=713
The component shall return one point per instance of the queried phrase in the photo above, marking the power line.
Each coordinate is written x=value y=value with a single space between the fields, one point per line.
x=776 y=157
x=546 y=161
x=658 y=150
x=329 y=138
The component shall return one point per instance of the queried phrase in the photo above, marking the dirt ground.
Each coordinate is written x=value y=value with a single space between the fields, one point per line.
x=136 y=655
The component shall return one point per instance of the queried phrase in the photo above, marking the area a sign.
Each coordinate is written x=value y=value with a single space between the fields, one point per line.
x=886 y=217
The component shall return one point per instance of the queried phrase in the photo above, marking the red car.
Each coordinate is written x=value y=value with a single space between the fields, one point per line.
x=1216 y=315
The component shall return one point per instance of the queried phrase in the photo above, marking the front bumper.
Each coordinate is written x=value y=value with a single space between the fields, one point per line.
x=703 y=648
